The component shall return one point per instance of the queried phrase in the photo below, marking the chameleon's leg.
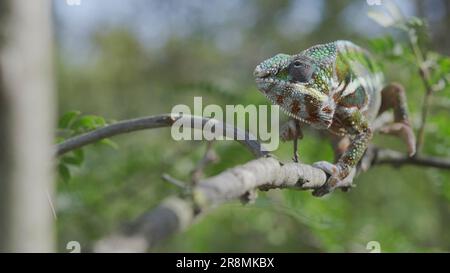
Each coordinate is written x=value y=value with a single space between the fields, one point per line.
x=298 y=134
x=357 y=126
x=393 y=97
x=295 y=157
x=292 y=131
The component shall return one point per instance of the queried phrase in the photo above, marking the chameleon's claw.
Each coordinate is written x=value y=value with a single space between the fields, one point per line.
x=332 y=171
x=405 y=132
x=327 y=167
x=333 y=180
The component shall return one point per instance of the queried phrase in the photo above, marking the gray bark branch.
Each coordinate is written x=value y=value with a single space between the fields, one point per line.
x=176 y=213
x=385 y=156
x=164 y=120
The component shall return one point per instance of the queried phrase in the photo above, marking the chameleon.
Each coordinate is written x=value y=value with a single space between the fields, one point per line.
x=338 y=87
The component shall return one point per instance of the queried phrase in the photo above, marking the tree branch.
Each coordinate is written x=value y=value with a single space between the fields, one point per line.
x=210 y=156
x=424 y=74
x=264 y=173
x=158 y=121
x=175 y=214
x=385 y=156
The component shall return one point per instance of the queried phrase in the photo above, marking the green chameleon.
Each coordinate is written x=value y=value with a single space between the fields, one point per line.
x=337 y=87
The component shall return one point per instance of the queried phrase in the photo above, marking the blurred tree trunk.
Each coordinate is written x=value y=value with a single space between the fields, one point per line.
x=26 y=126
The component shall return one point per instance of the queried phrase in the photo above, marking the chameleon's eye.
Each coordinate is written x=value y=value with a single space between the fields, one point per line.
x=297 y=63
x=300 y=71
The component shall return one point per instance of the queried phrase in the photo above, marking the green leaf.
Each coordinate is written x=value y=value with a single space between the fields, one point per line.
x=67 y=119
x=89 y=122
x=444 y=64
x=64 y=172
x=99 y=121
x=388 y=48
x=382 y=45
x=75 y=158
x=110 y=143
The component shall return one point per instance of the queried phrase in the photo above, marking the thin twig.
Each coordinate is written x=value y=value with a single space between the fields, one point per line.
x=174 y=181
x=425 y=77
x=210 y=156
x=385 y=156
x=158 y=121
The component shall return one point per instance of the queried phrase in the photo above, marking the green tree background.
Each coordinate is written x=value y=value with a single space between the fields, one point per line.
x=144 y=57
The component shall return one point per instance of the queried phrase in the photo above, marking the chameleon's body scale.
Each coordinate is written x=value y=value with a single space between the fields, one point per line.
x=336 y=86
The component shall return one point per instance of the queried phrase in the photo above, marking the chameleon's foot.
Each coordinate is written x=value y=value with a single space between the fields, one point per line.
x=333 y=180
x=393 y=96
x=405 y=132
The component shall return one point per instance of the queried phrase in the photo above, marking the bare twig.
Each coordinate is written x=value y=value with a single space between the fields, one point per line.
x=425 y=108
x=210 y=156
x=158 y=121
x=174 y=181
x=424 y=73
x=385 y=156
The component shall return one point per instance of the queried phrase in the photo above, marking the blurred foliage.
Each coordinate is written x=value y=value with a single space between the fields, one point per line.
x=405 y=209
x=71 y=124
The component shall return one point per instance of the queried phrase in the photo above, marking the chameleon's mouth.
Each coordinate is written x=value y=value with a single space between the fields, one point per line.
x=260 y=73
x=266 y=84
x=271 y=80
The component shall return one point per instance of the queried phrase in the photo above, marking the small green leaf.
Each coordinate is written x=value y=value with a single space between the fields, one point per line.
x=70 y=160
x=64 y=172
x=99 y=121
x=79 y=154
x=444 y=64
x=75 y=158
x=382 y=45
x=67 y=119
x=89 y=122
x=109 y=143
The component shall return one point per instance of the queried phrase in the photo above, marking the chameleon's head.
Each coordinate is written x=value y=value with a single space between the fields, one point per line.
x=300 y=84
